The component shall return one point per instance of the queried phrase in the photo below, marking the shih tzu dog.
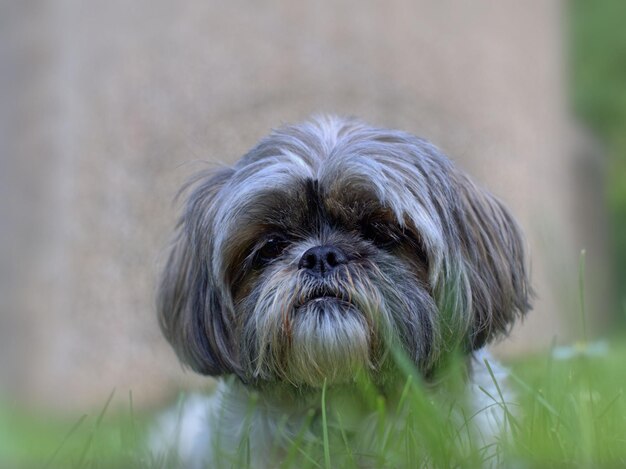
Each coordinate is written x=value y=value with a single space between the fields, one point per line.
x=301 y=268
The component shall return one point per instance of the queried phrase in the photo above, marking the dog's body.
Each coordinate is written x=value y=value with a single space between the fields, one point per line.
x=327 y=247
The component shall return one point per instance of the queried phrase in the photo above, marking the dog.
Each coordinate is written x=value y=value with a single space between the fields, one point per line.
x=324 y=249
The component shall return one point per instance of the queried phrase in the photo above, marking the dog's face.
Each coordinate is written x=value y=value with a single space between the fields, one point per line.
x=327 y=244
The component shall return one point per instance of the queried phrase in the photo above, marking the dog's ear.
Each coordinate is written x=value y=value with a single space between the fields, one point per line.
x=494 y=282
x=189 y=306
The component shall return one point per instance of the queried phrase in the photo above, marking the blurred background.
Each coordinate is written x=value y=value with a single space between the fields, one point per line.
x=107 y=107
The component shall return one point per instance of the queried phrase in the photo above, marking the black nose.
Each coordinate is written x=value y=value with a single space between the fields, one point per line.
x=321 y=260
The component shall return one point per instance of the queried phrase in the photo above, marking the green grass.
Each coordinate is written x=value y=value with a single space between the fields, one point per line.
x=571 y=413
x=575 y=415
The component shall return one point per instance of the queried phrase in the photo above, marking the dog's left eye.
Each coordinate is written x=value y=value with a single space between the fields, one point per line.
x=270 y=250
x=381 y=235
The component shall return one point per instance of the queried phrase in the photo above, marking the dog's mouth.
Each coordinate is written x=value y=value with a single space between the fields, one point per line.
x=324 y=293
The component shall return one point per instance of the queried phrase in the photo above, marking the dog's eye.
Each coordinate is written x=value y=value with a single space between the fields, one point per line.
x=270 y=250
x=381 y=234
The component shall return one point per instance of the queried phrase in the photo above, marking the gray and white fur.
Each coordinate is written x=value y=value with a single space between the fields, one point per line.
x=325 y=246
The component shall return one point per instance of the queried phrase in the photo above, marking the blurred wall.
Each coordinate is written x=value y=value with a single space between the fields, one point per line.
x=112 y=105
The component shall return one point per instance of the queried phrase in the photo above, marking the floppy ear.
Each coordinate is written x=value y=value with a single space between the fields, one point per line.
x=496 y=283
x=188 y=303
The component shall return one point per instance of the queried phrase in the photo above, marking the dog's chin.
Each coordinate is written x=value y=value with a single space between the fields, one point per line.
x=330 y=341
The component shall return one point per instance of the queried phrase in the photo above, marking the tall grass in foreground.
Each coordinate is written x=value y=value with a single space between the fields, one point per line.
x=570 y=412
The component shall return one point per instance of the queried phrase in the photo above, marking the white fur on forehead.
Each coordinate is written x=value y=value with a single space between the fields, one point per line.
x=403 y=172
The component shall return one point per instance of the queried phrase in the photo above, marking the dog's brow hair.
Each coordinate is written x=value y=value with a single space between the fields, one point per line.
x=314 y=200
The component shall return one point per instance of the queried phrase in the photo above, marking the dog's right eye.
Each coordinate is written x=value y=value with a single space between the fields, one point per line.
x=270 y=250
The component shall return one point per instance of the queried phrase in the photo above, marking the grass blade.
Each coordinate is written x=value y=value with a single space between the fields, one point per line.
x=64 y=440
x=327 y=464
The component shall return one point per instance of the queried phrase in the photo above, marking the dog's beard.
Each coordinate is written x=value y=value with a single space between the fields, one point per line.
x=303 y=330
x=330 y=339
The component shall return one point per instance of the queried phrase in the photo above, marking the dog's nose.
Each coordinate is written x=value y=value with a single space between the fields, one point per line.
x=321 y=260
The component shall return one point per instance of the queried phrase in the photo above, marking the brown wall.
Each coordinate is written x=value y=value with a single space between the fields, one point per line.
x=115 y=103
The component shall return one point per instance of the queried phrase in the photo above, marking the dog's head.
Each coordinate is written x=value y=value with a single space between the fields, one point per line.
x=327 y=244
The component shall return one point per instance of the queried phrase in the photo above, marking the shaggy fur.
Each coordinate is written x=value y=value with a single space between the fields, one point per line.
x=325 y=246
